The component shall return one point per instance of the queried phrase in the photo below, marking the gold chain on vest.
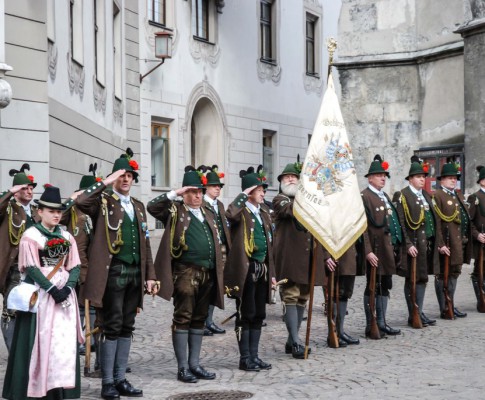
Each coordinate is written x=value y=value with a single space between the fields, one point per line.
x=118 y=241
x=447 y=218
x=248 y=242
x=414 y=225
x=14 y=238
x=176 y=252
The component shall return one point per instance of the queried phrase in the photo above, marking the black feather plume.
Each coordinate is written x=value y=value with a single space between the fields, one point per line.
x=415 y=159
x=260 y=168
x=479 y=168
x=129 y=152
x=12 y=172
x=189 y=168
x=214 y=168
x=25 y=167
x=250 y=170
x=242 y=173
x=377 y=157
x=202 y=168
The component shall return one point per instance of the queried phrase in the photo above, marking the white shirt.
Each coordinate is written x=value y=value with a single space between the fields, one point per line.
x=255 y=210
x=212 y=202
x=127 y=204
x=197 y=213
x=27 y=209
x=381 y=194
x=419 y=194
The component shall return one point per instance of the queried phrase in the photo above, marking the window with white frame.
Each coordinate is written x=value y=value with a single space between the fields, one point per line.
x=100 y=41
x=268 y=31
x=117 y=51
x=201 y=19
x=160 y=154
x=76 y=30
x=157 y=12
x=311 y=23
x=269 y=147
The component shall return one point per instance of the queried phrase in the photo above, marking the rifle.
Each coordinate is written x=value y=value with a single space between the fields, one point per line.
x=416 y=322
x=332 y=329
x=448 y=312
x=87 y=321
x=481 y=299
x=313 y=264
x=374 y=329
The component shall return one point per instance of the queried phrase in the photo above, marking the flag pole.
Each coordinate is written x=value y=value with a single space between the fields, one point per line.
x=331 y=47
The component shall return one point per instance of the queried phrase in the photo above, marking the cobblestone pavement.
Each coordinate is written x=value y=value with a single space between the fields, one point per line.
x=440 y=362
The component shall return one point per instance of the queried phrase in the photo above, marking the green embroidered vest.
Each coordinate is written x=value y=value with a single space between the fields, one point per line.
x=130 y=250
x=260 y=245
x=200 y=243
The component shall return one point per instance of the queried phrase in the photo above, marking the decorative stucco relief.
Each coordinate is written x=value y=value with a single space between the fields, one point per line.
x=76 y=77
x=118 y=111
x=312 y=84
x=207 y=52
x=52 y=59
x=477 y=8
x=268 y=72
x=99 y=96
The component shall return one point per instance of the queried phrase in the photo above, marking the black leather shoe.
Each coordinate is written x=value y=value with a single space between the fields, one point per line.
x=459 y=314
x=246 y=364
x=109 y=392
x=207 y=332
x=298 y=351
x=389 y=331
x=215 y=329
x=201 y=373
x=289 y=349
x=128 y=370
x=427 y=321
x=349 y=339
x=264 y=324
x=125 y=388
x=185 y=375
x=261 y=363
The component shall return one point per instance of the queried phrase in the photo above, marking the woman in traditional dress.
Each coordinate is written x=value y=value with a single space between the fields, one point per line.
x=43 y=362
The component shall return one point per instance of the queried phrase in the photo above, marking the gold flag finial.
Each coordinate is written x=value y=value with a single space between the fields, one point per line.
x=331 y=47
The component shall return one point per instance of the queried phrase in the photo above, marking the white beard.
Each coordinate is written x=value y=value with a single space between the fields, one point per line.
x=289 y=189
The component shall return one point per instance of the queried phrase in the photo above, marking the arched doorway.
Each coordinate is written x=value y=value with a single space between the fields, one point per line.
x=206 y=135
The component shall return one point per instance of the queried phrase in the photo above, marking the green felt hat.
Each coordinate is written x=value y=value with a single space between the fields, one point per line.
x=378 y=167
x=250 y=178
x=127 y=163
x=449 y=169
x=481 y=173
x=88 y=180
x=292 y=169
x=51 y=198
x=417 y=168
x=213 y=177
x=21 y=178
x=193 y=177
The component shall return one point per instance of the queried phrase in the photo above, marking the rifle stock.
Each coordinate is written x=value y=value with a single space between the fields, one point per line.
x=481 y=298
x=374 y=329
x=415 y=317
x=448 y=312
x=332 y=329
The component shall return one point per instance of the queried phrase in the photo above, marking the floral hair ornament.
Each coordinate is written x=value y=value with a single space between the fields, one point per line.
x=129 y=156
x=215 y=169
x=298 y=164
x=261 y=173
x=201 y=172
x=93 y=168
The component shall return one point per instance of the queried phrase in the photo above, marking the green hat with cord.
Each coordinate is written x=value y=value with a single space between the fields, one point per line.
x=450 y=169
x=213 y=176
x=20 y=177
x=417 y=167
x=88 y=180
x=250 y=178
x=378 y=166
x=194 y=177
x=127 y=163
x=292 y=169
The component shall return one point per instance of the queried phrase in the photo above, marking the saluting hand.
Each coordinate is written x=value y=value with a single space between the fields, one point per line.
x=17 y=188
x=249 y=190
x=113 y=177
x=181 y=191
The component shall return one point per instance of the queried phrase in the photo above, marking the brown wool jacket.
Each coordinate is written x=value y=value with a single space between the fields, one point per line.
x=377 y=238
x=9 y=252
x=292 y=245
x=477 y=215
x=166 y=211
x=424 y=265
x=447 y=204
x=222 y=212
x=238 y=262
x=90 y=202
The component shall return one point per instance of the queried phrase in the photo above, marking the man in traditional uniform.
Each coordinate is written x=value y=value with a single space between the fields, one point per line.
x=418 y=218
x=17 y=213
x=456 y=239
x=120 y=266
x=292 y=251
x=213 y=205
x=189 y=265
x=476 y=202
x=250 y=265
x=381 y=243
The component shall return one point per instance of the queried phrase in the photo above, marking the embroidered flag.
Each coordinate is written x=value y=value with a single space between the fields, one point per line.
x=328 y=202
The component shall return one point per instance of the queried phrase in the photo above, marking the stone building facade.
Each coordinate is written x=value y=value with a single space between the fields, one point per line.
x=412 y=81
